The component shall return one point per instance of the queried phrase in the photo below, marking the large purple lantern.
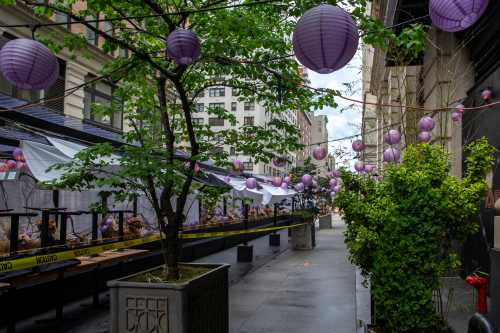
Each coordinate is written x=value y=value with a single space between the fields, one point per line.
x=251 y=183
x=319 y=153
x=426 y=124
x=307 y=179
x=359 y=166
x=277 y=181
x=392 y=155
x=393 y=137
x=183 y=46
x=325 y=39
x=358 y=146
x=456 y=15
x=28 y=64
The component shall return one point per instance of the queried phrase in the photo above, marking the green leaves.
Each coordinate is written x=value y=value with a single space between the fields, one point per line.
x=400 y=230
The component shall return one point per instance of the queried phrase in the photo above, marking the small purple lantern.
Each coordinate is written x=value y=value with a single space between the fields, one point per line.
x=287 y=179
x=337 y=173
x=393 y=137
x=333 y=182
x=426 y=124
x=277 y=181
x=336 y=189
x=319 y=153
x=358 y=146
x=486 y=94
x=183 y=46
x=332 y=194
x=307 y=180
x=456 y=116
x=369 y=168
x=359 y=166
x=392 y=155
x=456 y=15
x=284 y=186
x=425 y=137
x=460 y=108
x=251 y=183
x=28 y=64
x=325 y=39
x=299 y=187
x=17 y=153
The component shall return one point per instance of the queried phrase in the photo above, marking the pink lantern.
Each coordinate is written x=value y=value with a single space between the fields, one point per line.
x=460 y=108
x=393 y=137
x=333 y=182
x=307 y=180
x=287 y=179
x=426 y=124
x=358 y=146
x=299 y=187
x=238 y=166
x=486 y=94
x=196 y=168
x=11 y=164
x=456 y=116
x=392 y=155
x=424 y=137
x=277 y=181
x=251 y=183
x=359 y=166
x=319 y=153
x=284 y=186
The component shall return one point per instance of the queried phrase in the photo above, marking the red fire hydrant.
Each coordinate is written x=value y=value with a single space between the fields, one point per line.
x=481 y=284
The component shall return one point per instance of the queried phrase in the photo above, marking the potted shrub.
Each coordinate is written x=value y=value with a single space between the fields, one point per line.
x=400 y=230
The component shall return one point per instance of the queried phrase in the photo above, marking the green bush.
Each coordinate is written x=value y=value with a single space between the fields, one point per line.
x=400 y=230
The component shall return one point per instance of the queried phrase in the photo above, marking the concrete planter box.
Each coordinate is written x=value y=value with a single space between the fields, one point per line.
x=302 y=238
x=325 y=222
x=200 y=305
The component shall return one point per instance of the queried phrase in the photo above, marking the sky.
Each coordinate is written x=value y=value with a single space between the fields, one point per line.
x=344 y=120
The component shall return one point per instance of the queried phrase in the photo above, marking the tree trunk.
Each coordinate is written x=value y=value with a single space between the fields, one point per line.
x=173 y=249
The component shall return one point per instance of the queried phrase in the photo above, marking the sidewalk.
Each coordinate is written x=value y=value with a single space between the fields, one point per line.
x=281 y=291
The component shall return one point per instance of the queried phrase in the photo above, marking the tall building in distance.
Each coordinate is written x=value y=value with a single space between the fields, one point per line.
x=246 y=113
x=304 y=126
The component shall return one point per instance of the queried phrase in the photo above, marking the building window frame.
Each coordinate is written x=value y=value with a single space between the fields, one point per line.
x=92 y=92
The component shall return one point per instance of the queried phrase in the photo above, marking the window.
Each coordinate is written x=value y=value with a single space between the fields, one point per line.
x=216 y=105
x=200 y=107
x=248 y=166
x=248 y=121
x=216 y=122
x=63 y=18
x=233 y=106
x=197 y=121
x=232 y=151
x=108 y=28
x=217 y=92
x=92 y=36
x=101 y=93
x=249 y=106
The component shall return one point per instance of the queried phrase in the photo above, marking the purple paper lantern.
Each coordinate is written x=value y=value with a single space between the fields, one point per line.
x=359 y=166
x=460 y=108
x=28 y=64
x=358 y=146
x=325 y=39
x=319 y=153
x=183 y=46
x=284 y=186
x=238 y=166
x=456 y=116
x=392 y=155
x=333 y=182
x=424 y=137
x=300 y=187
x=287 y=179
x=277 y=181
x=307 y=180
x=336 y=189
x=251 y=183
x=456 y=15
x=426 y=124
x=369 y=168
x=393 y=137
x=337 y=173
x=17 y=153
x=332 y=194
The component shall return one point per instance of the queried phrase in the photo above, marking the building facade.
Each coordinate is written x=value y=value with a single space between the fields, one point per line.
x=319 y=138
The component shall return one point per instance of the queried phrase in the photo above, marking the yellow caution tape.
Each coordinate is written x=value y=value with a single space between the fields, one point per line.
x=30 y=262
